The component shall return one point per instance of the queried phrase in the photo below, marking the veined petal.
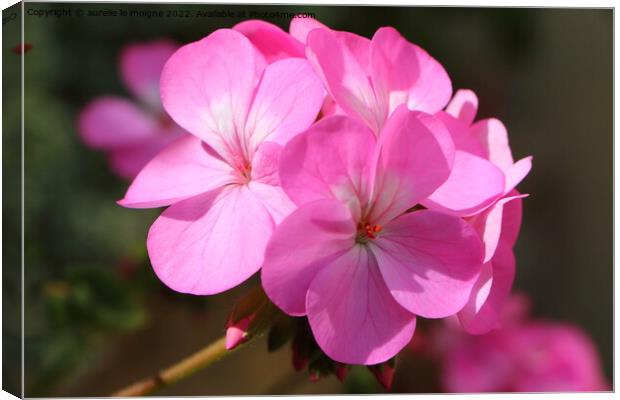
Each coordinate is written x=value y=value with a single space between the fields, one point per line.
x=430 y=262
x=270 y=40
x=273 y=198
x=353 y=317
x=489 y=224
x=210 y=243
x=207 y=87
x=345 y=78
x=414 y=157
x=186 y=168
x=474 y=184
x=332 y=159
x=403 y=73
x=482 y=312
x=300 y=247
x=287 y=101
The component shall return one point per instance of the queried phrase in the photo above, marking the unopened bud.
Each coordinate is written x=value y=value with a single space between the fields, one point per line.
x=384 y=372
x=252 y=314
x=237 y=332
x=340 y=370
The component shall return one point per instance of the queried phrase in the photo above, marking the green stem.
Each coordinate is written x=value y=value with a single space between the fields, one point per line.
x=203 y=358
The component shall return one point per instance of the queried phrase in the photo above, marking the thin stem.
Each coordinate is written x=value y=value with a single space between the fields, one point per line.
x=207 y=356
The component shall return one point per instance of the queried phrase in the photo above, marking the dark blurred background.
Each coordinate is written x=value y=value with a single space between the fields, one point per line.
x=96 y=316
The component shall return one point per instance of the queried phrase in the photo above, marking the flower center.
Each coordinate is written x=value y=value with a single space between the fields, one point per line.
x=243 y=168
x=366 y=231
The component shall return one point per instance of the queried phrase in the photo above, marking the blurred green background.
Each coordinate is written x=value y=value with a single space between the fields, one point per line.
x=96 y=318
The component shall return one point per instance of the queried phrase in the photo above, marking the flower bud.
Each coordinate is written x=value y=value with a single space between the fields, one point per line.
x=251 y=314
x=340 y=370
x=237 y=332
x=384 y=372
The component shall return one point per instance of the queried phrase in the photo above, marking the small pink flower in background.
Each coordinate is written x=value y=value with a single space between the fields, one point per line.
x=221 y=182
x=526 y=355
x=132 y=132
x=349 y=257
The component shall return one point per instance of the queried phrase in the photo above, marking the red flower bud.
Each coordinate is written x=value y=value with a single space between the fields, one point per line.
x=384 y=372
x=237 y=332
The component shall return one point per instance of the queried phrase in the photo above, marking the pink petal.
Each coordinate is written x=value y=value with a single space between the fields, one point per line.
x=113 y=123
x=273 y=198
x=210 y=243
x=483 y=310
x=127 y=162
x=301 y=245
x=332 y=159
x=359 y=46
x=270 y=40
x=345 y=78
x=185 y=168
x=141 y=65
x=489 y=224
x=207 y=87
x=403 y=73
x=430 y=262
x=511 y=218
x=473 y=185
x=287 y=101
x=353 y=317
x=414 y=158
x=494 y=138
x=463 y=139
x=517 y=172
x=265 y=163
x=463 y=106
x=300 y=27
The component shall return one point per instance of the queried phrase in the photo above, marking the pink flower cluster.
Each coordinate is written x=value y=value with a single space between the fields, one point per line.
x=344 y=168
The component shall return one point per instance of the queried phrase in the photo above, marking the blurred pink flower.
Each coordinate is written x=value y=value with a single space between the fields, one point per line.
x=132 y=132
x=221 y=182
x=349 y=257
x=524 y=356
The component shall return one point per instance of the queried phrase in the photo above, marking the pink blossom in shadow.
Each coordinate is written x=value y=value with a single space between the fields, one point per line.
x=132 y=131
x=525 y=355
x=350 y=257
x=221 y=182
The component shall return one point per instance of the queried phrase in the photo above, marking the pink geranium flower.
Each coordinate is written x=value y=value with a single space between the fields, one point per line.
x=369 y=79
x=221 y=182
x=366 y=79
x=132 y=132
x=350 y=257
x=482 y=149
x=526 y=355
